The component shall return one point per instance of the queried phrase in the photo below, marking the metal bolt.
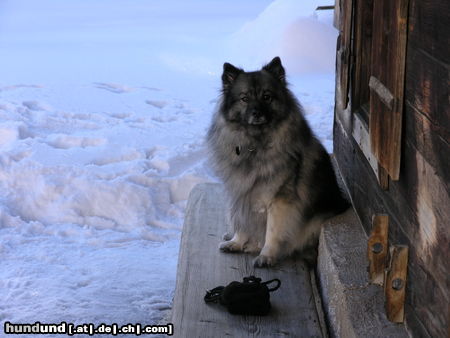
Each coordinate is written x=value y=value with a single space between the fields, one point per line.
x=397 y=284
x=377 y=247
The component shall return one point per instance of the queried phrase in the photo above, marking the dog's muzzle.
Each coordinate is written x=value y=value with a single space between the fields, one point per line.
x=257 y=118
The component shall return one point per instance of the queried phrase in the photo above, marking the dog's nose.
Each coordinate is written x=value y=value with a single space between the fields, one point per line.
x=256 y=113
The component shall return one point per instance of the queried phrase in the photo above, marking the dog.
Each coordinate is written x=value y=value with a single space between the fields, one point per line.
x=278 y=177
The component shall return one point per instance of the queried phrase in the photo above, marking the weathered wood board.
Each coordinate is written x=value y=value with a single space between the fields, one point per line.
x=343 y=52
x=417 y=203
x=387 y=82
x=202 y=266
x=362 y=47
x=426 y=293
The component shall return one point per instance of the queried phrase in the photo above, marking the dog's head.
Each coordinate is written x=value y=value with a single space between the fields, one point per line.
x=254 y=99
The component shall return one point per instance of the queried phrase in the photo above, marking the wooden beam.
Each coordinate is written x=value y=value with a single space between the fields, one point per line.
x=343 y=51
x=390 y=25
x=322 y=8
x=383 y=93
x=377 y=248
x=395 y=284
x=360 y=133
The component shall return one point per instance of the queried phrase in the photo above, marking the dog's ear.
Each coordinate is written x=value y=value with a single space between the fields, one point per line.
x=275 y=68
x=230 y=73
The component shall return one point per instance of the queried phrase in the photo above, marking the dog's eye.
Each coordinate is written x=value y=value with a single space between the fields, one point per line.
x=267 y=97
x=244 y=99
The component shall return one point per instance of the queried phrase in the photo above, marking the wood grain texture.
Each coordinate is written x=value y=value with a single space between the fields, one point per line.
x=343 y=52
x=424 y=135
x=428 y=89
x=417 y=205
x=362 y=46
x=429 y=27
x=383 y=93
x=395 y=284
x=202 y=266
x=418 y=202
x=388 y=66
x=377 y=258
x=360 y=134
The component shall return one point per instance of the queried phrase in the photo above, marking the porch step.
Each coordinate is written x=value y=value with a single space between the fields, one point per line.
x=296 y=309
x=354 y=308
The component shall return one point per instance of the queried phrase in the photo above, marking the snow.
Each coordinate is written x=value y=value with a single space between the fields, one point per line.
x=104 y=107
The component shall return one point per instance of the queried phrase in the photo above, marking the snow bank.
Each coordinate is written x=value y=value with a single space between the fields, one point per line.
x=9 y=132
x=291 y=29
x=103 y=113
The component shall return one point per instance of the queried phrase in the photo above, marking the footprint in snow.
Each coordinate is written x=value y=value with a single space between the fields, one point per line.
x=36 y=105
x=157 y=104
x=164 y=119
x=152 y=89
x=113 y=87
x=120 y=115
x=61 y=141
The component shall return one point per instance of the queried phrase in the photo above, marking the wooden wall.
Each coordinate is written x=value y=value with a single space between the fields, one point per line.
x=419 y=202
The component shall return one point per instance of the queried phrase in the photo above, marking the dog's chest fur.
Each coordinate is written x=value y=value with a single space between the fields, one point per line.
x=260 y=162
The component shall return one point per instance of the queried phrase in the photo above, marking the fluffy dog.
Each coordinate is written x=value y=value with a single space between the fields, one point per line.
x=278 y=177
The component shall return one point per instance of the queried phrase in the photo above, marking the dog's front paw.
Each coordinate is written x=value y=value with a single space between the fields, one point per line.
x=262 y=261
x=227 y=236
x=231 y=246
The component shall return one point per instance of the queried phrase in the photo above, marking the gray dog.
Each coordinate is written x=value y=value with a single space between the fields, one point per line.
x=278 y=177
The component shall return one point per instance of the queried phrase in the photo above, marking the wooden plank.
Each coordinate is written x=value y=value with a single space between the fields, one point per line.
x=426 y=137
x=360 y=133
x=388 y=66
x=202 y=266
x=383 y=93
x=343 y=52
x=324 y=8
x=336 y=15
x=377 y=248
x=418 y=208
x=429 y=27
x=395 y=284
x=362 y=47
x=428 y=89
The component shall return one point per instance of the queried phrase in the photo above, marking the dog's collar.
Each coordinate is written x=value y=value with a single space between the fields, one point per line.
x=238 y=149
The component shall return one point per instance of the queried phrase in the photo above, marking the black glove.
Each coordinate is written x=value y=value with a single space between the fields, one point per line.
x=251 y=297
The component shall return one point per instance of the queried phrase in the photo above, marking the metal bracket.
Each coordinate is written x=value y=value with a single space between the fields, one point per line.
x=395 y=283
x=377 y=248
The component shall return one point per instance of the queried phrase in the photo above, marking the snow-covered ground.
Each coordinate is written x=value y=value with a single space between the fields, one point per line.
x=104 y=105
